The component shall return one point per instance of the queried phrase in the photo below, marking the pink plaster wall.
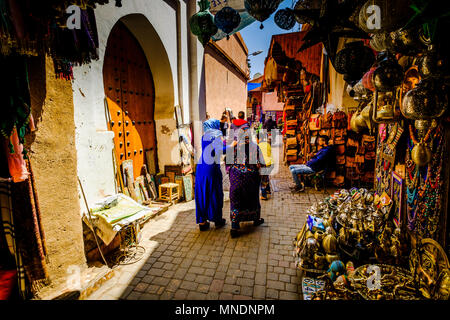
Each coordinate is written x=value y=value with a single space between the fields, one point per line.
x=225 y=87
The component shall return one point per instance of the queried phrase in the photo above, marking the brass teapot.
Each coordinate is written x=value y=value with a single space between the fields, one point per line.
x=329 y=244
x=366 y=115
x=357 y=123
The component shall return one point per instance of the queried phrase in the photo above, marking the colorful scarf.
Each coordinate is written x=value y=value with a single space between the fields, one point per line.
x=211 y=130
x=8 y=230
x=30 y=236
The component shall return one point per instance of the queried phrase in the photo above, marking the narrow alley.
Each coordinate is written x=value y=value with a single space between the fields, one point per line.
x=183 y=263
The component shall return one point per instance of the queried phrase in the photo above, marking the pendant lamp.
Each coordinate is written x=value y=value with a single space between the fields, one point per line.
x=227 y=19
x=285 y=19
x=261 y=9
x=354 y=60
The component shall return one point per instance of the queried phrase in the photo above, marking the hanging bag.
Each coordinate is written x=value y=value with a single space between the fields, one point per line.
x=314 y=122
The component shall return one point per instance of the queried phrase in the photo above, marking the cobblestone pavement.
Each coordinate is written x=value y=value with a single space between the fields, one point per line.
x=183 y=263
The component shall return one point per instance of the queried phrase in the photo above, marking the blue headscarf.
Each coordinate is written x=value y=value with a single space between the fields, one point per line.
x=211 y=129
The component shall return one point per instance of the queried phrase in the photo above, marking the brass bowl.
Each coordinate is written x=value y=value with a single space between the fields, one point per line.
x=331 y=257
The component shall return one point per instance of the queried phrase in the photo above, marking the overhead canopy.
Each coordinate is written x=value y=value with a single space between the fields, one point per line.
x=246 y=19
x=285 y=46
x=251 y=86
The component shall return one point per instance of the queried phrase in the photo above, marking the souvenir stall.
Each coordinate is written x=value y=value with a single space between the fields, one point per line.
x=306 y=118
x=388 y=241
x=31 y=30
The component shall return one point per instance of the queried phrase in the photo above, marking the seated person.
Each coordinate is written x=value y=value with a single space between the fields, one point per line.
x=324 y=159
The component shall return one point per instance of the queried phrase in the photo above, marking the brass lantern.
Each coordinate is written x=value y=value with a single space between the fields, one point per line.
x=386 y=79
x=202 y=23
x=261 y=9
x=391 y=16
x=354 y=60
x=426 y=101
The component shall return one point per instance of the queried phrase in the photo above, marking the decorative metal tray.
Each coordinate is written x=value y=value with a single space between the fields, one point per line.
x=388 y=283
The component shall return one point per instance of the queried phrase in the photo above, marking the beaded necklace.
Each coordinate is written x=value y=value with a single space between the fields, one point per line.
x=424 y=199
x=411 y=188
x=429 y=201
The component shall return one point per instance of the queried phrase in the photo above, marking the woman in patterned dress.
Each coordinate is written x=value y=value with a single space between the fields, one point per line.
x=245 y=182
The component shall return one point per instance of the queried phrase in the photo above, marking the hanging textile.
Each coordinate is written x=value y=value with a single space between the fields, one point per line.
x=16 y=163
x=14 y=97
x=30 y=236
x=32 y=28
x=8 y=230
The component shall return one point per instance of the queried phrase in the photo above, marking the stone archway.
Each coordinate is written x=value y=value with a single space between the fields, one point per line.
x=158 y=61
x=130 y=94
x=94 y=140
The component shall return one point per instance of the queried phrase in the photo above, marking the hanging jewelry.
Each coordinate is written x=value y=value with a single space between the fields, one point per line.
x=421 y=153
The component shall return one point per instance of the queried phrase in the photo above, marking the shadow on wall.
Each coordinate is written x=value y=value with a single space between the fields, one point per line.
x=38 y=92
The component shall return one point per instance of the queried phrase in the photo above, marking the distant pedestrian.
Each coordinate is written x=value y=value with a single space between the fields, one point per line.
x=224 y=125
x=238 y=124
x=269 y=124
x=266 y=152
x=280 y=124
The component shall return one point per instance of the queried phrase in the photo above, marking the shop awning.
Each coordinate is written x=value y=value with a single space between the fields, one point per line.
x=252 y=86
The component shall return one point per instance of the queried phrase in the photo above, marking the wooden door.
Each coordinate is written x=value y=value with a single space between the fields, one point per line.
x=130 y=94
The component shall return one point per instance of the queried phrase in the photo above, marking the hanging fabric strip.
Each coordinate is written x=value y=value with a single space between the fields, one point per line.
x=7 y=224
x=29 y=233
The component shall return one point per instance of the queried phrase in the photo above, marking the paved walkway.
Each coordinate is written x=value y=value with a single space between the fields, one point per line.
x=183 y=263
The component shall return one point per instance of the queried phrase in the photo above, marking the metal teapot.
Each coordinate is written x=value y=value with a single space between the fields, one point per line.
x=426 y=101
x=357 y=122
x=366 y=115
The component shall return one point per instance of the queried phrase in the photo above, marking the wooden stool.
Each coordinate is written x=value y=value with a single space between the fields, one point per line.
x=169 y=192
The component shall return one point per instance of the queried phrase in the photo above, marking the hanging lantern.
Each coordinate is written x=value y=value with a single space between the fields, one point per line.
x=285 y=19
x=309 y=5
x=227 y=19
x=426 y=101
x=261 y=9
x=391 y=15
x=353 y=61
x=202 y=23
x=388 y=74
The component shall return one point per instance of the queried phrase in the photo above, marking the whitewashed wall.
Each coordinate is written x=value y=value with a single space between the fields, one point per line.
x=154 y=24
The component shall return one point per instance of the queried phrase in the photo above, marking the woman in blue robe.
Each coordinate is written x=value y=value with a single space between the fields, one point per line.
x=208 y=177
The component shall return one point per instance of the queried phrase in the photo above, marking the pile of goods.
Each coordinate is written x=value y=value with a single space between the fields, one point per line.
x=353 y=228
